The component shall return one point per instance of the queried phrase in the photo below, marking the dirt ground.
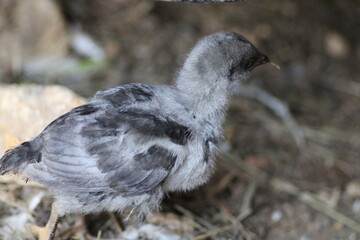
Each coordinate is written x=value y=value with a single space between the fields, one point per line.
x=269 y=187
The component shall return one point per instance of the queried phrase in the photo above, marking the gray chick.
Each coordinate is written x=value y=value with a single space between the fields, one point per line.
x=131 y=144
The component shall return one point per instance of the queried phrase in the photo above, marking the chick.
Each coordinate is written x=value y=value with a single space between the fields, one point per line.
x=131 y=144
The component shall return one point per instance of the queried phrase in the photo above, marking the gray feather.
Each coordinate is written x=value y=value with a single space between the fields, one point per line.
x=142 y=173
x=15 y=159
x=85 y=138
x=125 y=95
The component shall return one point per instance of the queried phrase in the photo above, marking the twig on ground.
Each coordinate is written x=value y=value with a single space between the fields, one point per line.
x=221 y=185
x=117 y=222
x=278 y=107
x=315 y=203
x=247 y=234
x=331 y=158
x=245 y=209
x=198 y=222
x=326 y=135
x=214 y=232
x=289 y=188
x=349 y=87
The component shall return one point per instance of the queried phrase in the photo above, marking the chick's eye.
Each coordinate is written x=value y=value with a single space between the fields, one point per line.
x=232 y=70
x=249 y=64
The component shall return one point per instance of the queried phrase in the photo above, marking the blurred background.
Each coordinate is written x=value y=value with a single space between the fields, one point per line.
x=90 y=45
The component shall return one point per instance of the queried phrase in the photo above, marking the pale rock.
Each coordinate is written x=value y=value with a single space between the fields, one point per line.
x=25 y=110
x=304 y=237
x=336 y=45
x=14 y=227
x=356 y=206
x=148 y=231
x=276 y=215
x=352 y=189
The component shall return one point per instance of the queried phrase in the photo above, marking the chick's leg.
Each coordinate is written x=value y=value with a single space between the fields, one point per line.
x=48 y=232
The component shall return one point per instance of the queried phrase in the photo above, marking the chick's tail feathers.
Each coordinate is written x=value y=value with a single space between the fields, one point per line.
x=16 y=159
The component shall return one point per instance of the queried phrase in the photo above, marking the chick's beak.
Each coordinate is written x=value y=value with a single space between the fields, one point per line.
x=265 y=59
x=262 y=59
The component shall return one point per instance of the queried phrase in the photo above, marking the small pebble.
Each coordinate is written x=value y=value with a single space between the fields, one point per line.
x=304 y=237
x=353 y=189
x=356 y=206
x=352 y=236
x=276 y=215
x=336 y=45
